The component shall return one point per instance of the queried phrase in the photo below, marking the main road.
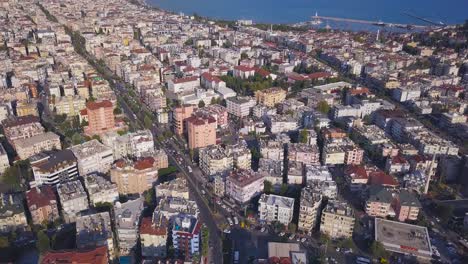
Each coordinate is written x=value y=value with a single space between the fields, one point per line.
x=194 y=179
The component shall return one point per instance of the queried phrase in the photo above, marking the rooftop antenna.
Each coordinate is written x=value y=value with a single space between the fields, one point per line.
x=271 y=28
x=378 y=35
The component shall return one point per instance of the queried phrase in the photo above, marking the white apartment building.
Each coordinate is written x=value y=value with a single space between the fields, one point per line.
x=100 y=190
x=215 y=159
x=276 y=208
x=243 y=185
x=92 y=156
x=73 y=199
x=28 y=147
x=309 y=209
x=136 y=144
x=240 y=106
x=53 y=168
x=337 y=220
x=126 y=224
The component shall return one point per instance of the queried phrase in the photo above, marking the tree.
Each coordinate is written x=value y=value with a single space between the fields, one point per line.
x=11 y=178
x=149 y=198
x=267 y=187
x=378 y=250
x=77 y=139
x=213 y=101
x=244 y=56
x=148 y=122
x=284 y=189
x=303 y=136
x=4 y=243
x=117 y=111
x=323 y=107
x=292 y=227
x=43 y=242
x=205 y=240
x=201 y=104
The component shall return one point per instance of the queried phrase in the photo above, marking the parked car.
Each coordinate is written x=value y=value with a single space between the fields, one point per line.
x=282 y=234
x=236 y=221
x=304 y=239
x=291 y=237
x=263 y=229
x=230 y=221
x=227 y=231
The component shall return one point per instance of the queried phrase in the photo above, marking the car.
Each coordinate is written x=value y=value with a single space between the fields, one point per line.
x=337 y=249
x=236 y=221
x=219 y=203
x=230 y=221
x=282 y=234
x=291 y=237
x=304 y=239
x=227 y=231
x=298 y=239
x=263 y=229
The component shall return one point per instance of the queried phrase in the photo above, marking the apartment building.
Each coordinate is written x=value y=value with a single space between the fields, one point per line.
x=273 y=150
x=276 y=208
x=134 y=177
x=42 y=204
x=100 y=117
x=25 y=108
x=175 y=188
x=4 y=161
x=126 y=224
x=407 y=206
x=353 y=155
x=92 y=156
x=100 y=190
x=21 y=128
x=28 y=147
x=337 y=220
x=240 y=106
x=52 y=168
x=73 y=199
x=314 y=173
x=242 y=155
x=94 y=230
x=215 y=159
x=304 y=153
x=270 y=97
x=186 y=236
x=201 y=132
x=379 y=202
x=309 y=210
x=12 y=214
x=135 y=144
x=153 y=236
x=94 y=255
x=68 y=105
x=179 y=116
x=243 y=185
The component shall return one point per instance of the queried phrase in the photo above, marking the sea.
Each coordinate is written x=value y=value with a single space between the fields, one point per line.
x=296 y=11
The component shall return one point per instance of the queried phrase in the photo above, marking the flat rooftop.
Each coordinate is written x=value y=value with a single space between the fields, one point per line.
x=403 y=238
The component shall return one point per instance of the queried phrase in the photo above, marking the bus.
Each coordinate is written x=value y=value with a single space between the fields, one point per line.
x=362 y=260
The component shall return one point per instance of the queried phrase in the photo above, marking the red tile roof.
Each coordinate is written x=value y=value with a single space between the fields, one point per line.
x=148 y=228
x=382 y=178
x=185 y=79
x=144 y=163
x=95 y=256
x=356 y=171
x=318 y=75
x=244 y=68
x=97 y=105
x=40 y=196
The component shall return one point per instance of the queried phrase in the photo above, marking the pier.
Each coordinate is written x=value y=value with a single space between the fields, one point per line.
x=376 y=23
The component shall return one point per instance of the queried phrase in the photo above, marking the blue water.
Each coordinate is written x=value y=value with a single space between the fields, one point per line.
x=292 y=11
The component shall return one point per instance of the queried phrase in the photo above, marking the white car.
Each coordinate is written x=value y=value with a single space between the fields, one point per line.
x=236 y=221
x=263 y=229
x=304 y=239
x=291 y=237
x=230 y=221
x=227 y=231
x=282 y=234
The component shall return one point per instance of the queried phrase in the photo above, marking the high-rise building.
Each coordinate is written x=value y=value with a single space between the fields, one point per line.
x=337 y=220
x=309 y=209
x=100 y=117
x=201 y=132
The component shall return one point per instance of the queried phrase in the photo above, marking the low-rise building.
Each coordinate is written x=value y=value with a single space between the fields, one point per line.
x=92 y=156
x=12 y=214
x=314 y=173
x=127 y=219
x=94 y=255
x=309 y=209
x=273 y=150
x=276 y=208
x=175 y=188
x=243 y=185
x=270 y=97
x=21 y=128
x=94 y=230
x=337 y=220
x=100 y=190
x=73 y=199
x=403 y=238
x=240 y=106
x=42 y=204
x=134 y=177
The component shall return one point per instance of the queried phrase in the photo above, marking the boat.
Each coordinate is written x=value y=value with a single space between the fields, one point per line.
x=380 y=24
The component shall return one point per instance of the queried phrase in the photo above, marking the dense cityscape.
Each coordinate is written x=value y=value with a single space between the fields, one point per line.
x=131 y=134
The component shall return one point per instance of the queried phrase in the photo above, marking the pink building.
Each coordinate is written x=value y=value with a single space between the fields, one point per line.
x=353 y=155
x=179 y=116
x=218 y=112
x=407 y=206
x=304 y=153
x=201 y=131
x=100 y=116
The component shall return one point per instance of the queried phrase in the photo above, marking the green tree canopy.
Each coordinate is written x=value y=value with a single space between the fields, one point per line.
x=303 y=136
x=378 y=250
x=117 y=111
x=201 y=104
x=43 y=242
x=323 y=107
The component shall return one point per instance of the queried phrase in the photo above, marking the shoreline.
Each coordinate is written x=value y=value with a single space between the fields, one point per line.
x=297 y=26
